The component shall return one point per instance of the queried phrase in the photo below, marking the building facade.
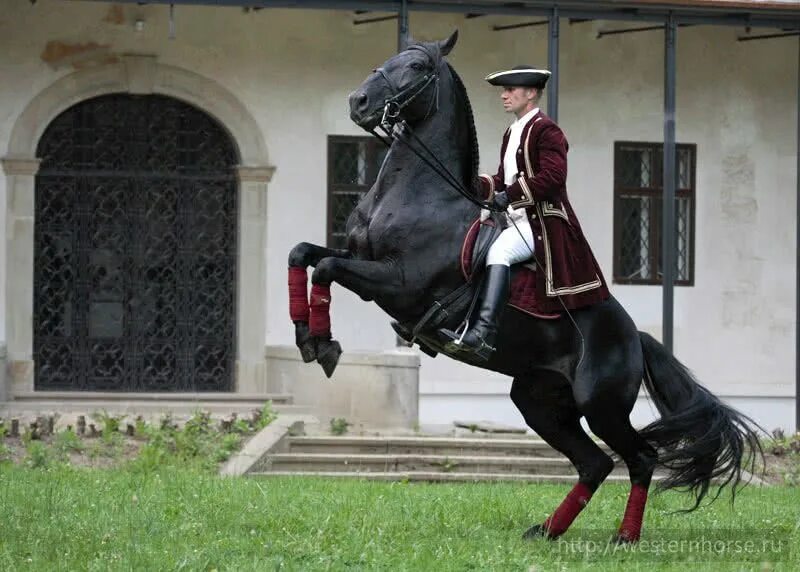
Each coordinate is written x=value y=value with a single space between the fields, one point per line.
x=258 y=100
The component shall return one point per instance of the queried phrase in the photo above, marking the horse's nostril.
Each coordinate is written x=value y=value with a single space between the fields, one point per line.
x=358 y=101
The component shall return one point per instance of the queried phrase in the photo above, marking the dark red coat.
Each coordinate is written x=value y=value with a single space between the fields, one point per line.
x=570 y=269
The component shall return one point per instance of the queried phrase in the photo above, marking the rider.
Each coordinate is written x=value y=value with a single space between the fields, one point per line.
x=531 y=185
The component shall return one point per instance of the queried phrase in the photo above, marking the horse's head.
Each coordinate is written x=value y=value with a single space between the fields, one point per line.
x=406 y=86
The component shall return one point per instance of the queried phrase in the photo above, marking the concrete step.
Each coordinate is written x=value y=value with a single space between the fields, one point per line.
x=320 y=462
x=438 y=476
x=445 y=446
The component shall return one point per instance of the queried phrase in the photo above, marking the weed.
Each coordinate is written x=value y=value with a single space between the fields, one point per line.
x=339 y=425
x=264 y=416
x=38 y=455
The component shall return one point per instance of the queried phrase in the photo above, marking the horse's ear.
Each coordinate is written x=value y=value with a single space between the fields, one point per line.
x=446 y=45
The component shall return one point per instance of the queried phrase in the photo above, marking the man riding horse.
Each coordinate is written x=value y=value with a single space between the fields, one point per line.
x=405 y=246
x=531 y=183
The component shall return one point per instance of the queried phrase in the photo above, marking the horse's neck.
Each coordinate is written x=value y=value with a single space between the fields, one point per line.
x=446 y=135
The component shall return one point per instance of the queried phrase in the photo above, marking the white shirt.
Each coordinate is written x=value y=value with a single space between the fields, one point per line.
x=510 y=157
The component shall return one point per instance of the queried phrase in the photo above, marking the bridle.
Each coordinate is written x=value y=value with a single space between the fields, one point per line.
x=395 y=127
x=400 y=98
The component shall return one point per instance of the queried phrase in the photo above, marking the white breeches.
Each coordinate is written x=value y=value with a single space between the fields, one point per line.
x=510 y=248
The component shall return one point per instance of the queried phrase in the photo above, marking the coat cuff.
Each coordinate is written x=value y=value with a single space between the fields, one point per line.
x=520 y=194
x=487 y=185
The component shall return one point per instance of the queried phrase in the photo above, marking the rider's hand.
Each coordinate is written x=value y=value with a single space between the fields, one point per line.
x=485 y=214
x=500 y=200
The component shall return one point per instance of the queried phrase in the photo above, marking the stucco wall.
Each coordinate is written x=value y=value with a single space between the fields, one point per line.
x=292 y=70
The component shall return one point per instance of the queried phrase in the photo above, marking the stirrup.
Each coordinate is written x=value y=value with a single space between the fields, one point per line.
x=483 y=351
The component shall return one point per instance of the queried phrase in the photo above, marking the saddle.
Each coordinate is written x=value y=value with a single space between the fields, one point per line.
x=522 y=293
x=477 y=241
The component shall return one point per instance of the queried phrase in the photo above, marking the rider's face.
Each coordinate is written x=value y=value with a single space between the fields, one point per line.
x=518 y=100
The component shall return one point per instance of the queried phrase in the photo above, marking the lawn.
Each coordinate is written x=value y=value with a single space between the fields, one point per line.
x=140 y=517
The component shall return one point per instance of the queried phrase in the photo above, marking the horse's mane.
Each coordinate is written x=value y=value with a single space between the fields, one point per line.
x=461 y=91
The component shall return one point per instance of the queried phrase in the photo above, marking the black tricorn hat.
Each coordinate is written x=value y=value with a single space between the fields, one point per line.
x=520 y=76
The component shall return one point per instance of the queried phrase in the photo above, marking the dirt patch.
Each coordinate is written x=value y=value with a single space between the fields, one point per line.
x=782 y=469
x=94 y=452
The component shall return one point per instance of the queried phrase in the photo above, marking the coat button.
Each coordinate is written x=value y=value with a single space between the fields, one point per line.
x=533 y=217
x=519 y=151
x=539 y=237
x=522 y=173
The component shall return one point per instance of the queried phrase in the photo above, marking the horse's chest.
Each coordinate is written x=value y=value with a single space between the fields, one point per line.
x=369 y=228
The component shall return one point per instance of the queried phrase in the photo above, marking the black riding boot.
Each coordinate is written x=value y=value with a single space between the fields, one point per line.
x=480 y=338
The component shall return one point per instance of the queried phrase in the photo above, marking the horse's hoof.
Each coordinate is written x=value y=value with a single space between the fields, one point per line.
x=538 y=531
x=624 y=538
x=304 y=342
x=307 y=351
x=328 y=352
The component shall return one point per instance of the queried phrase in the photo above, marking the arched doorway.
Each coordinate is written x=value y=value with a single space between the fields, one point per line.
x=135 y=248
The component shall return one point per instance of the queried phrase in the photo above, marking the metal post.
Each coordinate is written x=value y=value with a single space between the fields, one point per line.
x=668 y=242
x=402 y=26
x=552 y=57
x=797 y=264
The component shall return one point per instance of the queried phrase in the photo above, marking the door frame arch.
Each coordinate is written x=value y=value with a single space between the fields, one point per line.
x=137 y=74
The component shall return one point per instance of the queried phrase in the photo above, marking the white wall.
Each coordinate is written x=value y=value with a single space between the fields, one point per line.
x=294 y=68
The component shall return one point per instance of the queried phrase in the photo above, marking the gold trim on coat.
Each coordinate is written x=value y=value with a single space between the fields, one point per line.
x=550 y=289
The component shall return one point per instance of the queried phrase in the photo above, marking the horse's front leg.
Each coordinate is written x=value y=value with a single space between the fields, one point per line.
x=301 y=257
x=367 y=279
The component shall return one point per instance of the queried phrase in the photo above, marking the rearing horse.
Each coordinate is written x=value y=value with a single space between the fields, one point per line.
x=404 y=242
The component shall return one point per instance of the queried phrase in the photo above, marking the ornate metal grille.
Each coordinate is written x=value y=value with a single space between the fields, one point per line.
x=638 y=204
x=353 y=165
x=135 y=249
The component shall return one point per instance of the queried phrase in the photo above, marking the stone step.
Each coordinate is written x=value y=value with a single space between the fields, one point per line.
x=446 y=446
x=438 y=476
x=319 y=462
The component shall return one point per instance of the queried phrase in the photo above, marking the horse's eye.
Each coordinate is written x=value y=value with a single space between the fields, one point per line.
x=416 y=66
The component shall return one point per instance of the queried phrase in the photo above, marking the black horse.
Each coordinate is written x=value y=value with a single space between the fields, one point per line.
x=404 y=241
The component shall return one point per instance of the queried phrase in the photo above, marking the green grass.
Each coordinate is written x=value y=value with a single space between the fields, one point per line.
x=172 y=518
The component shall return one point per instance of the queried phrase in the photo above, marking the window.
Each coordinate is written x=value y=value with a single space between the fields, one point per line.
x=353 y=165
x=638 y=171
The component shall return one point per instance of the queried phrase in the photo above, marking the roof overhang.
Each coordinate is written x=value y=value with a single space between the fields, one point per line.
x=783 y=14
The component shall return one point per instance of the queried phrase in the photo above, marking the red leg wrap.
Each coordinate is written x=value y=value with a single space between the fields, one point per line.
x=558 y=523
x=320 y=323
x=631 y=526
x=298 y=294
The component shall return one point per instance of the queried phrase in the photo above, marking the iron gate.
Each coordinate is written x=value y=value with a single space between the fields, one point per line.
x=135 y=249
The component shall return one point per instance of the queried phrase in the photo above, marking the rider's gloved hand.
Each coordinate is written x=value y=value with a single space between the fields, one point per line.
x=500 y=200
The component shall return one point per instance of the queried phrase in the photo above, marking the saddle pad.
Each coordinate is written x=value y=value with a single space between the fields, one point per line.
x=523 y=277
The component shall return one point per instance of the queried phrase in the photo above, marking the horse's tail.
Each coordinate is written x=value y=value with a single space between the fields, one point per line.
x=699 y=438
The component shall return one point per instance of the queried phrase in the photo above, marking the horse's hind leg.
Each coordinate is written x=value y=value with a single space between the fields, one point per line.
x=614 y=427
x=607 y=405
x=549 y=409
